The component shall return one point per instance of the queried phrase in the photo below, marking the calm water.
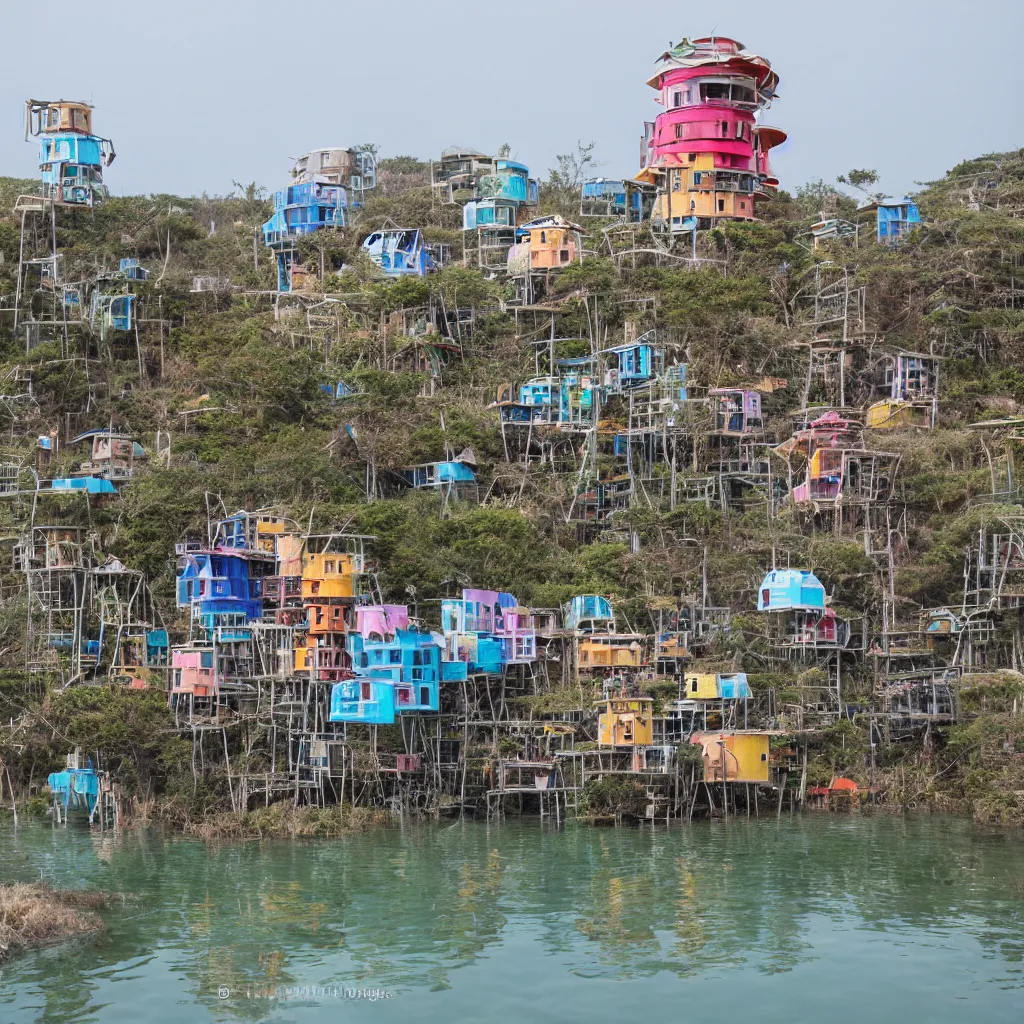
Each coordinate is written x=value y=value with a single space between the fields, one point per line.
x=812 y=919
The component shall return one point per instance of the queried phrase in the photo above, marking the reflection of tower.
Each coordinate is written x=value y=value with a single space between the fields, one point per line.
x=71 y=162
x=706 y=152
x=326 y=184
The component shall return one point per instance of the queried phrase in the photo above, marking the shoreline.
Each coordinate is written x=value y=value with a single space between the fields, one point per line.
x=285 y=822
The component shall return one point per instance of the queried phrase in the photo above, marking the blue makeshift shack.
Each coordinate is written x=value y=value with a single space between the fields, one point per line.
x=789 y=590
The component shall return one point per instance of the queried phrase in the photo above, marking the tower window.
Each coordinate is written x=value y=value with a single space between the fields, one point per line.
x=715 y=91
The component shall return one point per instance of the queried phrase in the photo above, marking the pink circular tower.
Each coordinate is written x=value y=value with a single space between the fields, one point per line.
x=707 y=151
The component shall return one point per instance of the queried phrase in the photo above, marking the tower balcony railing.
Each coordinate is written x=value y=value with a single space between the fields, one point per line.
x=32 y=204
x=724 y=181
x=278 y=238
x=231 y=635
x=820 y=636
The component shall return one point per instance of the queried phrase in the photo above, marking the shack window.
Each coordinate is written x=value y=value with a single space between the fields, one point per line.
x=693 y=157
x=721 y=205
x=693 y=685
x=725 y=129
x=425 y=695
x=764 y=597
x=364 y=691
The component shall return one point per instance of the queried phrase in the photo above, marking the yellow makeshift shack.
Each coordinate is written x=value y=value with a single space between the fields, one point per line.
x=626 y=722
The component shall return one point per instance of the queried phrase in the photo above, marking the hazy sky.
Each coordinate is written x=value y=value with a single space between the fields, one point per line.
x=197 y=95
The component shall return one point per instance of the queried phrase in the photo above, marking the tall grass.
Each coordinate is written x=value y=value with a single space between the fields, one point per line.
x=36 y=915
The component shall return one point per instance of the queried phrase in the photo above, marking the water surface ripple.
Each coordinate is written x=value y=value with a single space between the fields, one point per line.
x=804 y=919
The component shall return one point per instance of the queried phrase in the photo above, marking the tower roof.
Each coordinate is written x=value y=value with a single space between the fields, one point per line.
x=715 y=51
x=465 y=151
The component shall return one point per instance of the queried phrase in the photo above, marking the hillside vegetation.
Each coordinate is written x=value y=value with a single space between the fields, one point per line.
x=245 y=394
